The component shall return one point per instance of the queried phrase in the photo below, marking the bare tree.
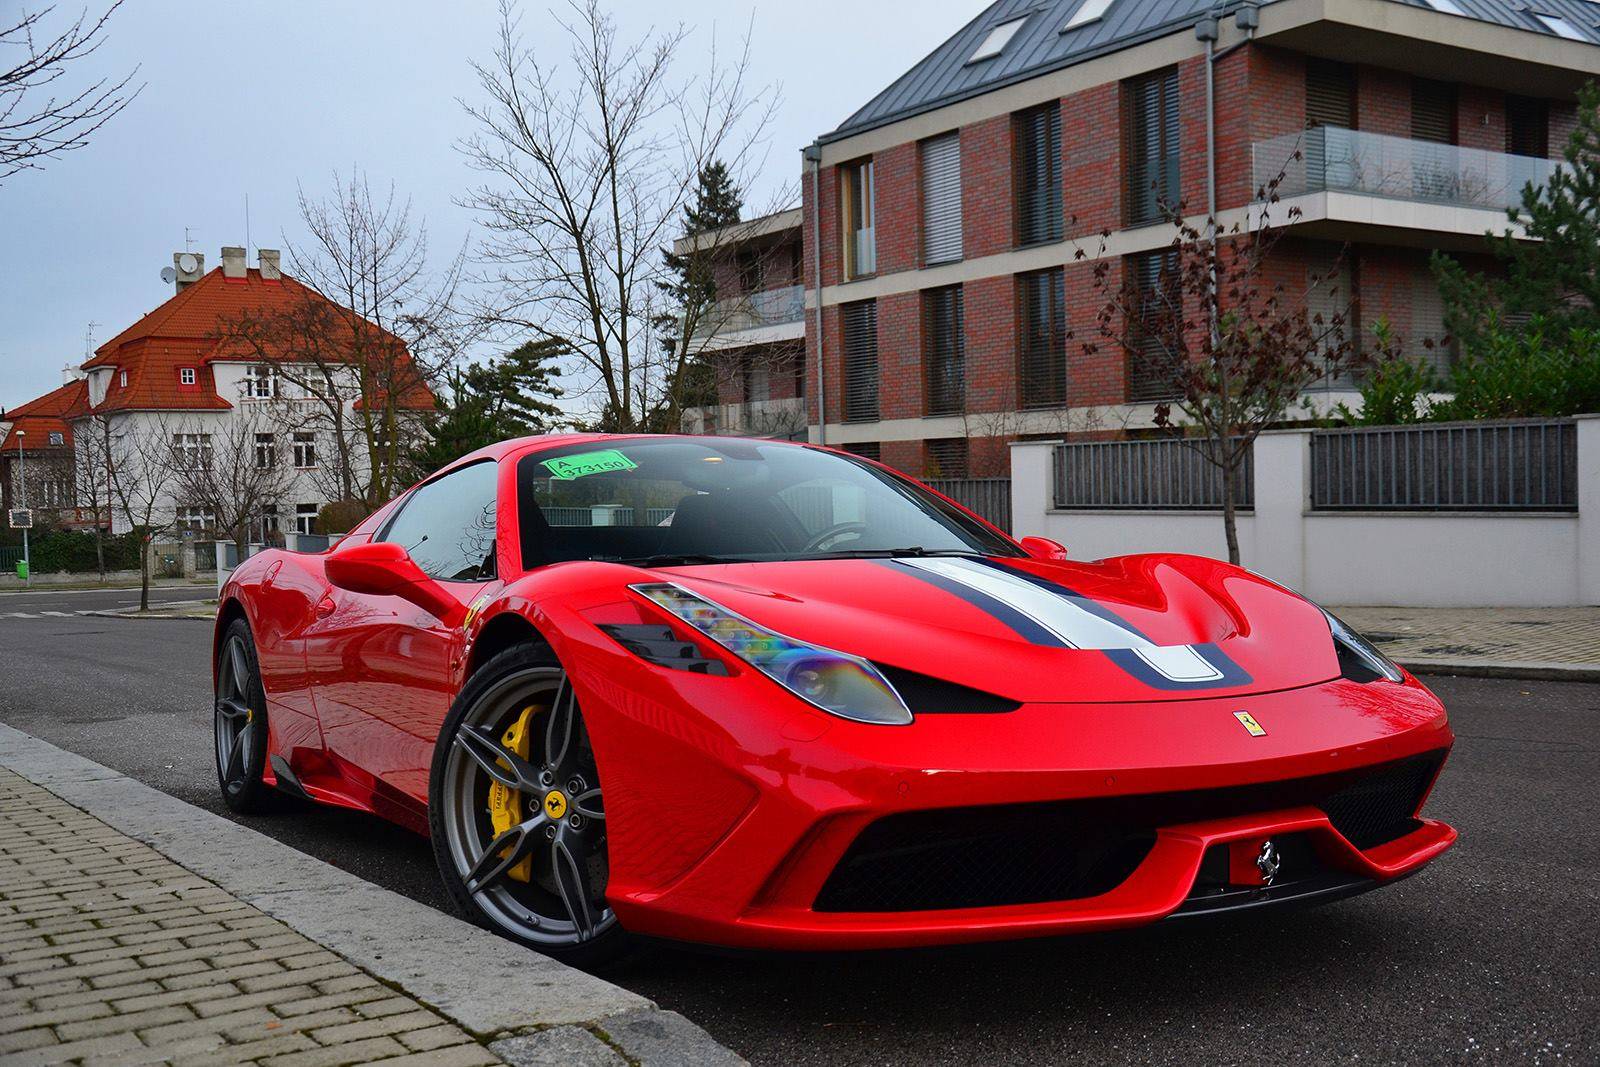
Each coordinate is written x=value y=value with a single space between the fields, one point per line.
x=589 y=169
x=1227 y=346
x=142 y=471
x=38 y=119
x=366 y=331
x=243 y=472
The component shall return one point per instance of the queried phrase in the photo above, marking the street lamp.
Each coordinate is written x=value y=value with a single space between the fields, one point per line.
x=22 y=492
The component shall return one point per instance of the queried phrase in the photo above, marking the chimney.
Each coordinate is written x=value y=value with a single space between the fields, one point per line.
x=188 y=268
x=232 y=261
x=270 y=270
x=70 y=373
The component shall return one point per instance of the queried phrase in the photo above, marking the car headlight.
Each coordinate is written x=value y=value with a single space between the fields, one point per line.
x=1359 y=658
x=838 y=683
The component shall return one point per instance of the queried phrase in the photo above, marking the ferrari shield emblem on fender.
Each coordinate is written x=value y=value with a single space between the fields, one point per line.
x=1248 y=721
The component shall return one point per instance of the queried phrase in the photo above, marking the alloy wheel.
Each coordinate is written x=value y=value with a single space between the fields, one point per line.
x=236 y=736
x=541 y=874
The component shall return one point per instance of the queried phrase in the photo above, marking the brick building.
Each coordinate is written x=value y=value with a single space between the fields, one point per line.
x=947 y=215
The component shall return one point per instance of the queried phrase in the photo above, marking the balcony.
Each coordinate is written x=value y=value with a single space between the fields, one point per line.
x=1429 y=186
x=780 y=419
x=735 y=315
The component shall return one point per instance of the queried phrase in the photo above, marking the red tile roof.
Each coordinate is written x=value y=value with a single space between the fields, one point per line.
x=44 y=416
x=183 y=332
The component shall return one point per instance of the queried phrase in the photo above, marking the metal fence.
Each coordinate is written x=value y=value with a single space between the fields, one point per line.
x=1160 y=475
x=989 y=497
x=1524 y=465
x=9 y=558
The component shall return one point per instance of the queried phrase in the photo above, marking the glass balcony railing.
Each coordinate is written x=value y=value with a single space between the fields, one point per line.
x=1329 y=158
x=773 y=307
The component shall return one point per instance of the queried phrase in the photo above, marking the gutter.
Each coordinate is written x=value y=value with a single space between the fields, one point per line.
x=812 y=155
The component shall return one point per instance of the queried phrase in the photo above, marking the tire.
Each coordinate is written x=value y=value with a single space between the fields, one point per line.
x=544 y=886
x=239 y=723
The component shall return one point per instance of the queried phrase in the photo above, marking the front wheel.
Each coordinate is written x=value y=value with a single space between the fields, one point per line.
x=239 y=722
x=516 y=811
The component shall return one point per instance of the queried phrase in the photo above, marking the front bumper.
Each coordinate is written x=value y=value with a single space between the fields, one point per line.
x=730 y=807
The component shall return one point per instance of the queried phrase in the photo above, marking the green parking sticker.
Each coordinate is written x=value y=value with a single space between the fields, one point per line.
x=586 y=463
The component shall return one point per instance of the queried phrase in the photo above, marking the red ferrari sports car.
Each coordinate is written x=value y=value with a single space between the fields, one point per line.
x=769 y=695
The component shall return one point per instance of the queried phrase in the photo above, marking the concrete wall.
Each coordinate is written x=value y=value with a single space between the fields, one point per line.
x=1411 y=559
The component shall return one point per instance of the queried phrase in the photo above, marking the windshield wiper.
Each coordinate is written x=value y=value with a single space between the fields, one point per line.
x=676 y=559
x=910 y=552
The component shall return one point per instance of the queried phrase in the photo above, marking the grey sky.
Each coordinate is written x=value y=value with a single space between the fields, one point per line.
x=253 y=98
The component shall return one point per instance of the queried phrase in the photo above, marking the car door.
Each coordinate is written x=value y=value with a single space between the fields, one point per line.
x=382 y=667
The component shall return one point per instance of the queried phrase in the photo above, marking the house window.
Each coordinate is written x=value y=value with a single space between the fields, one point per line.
x=192 y=451
x=1560 y=26
x=859 y=214
x=1042 y=313
x=1151 y=128
x=270 y=523
x=1527 y=126
x=945 y=350
x=941 y=199
x=266 y=451
x=946 y=458
x=261 y=383
x=305 y=518
x=756 y=372
x=186 y=376
x=122 y=379
x=305 y=451
x=198 y=520
x=1091 y=11
x=1433 y=111
x=866 y=450
x=1154 y=352
x=57 y=437
x=1449 y=7
x=1039 y=213
x=860 y=361
x=1330 y=94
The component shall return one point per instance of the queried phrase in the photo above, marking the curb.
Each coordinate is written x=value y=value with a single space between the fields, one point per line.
x=529 y=1009
x=1530 y=670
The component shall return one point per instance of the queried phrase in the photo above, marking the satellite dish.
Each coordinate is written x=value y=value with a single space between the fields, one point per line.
x=188 y=264
x=169 y=275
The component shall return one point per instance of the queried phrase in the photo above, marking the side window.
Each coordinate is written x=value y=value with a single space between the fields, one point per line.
x=448 y=524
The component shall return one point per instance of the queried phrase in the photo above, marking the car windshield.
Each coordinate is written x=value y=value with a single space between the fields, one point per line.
x=674 y=501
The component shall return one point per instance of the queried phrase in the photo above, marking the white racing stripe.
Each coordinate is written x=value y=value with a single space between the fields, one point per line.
x=1067 y=620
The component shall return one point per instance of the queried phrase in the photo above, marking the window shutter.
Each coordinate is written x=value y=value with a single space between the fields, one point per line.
x=1152 y=137
x=1433 y=111
x=861 y=361
x=1330 y=94
x=1039 y=210
x=1153 y=361
x=1527 y=126
x=866 y=450
x=941 y=199
x=1427 y=323
x=1043 y=374
x=946 y=357
x=946 y=458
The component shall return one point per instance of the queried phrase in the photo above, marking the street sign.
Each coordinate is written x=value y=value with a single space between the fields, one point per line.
x=21 y=518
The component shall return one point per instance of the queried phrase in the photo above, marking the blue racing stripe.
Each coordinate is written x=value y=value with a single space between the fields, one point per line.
x=1018 y=622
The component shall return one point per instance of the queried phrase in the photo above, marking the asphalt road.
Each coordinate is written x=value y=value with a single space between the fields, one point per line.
x=41 y=599
x=1491 y=955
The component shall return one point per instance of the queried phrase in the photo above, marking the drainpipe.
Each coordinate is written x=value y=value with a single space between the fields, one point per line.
x=1246 y=18
x=813 y=159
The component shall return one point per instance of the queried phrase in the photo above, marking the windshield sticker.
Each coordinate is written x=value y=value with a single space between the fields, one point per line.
x=584 y=464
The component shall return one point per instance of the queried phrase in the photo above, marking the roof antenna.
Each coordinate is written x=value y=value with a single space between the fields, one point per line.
x=188 y=239
x=88 y=339
x=247 y=227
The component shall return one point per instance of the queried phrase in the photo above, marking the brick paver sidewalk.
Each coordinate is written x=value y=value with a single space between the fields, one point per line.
x=1534 y=637
x=111 y=953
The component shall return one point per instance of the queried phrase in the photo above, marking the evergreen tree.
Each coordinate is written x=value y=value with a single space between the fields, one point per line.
x=690 y=290
x=511 y=396
x=1555 y=275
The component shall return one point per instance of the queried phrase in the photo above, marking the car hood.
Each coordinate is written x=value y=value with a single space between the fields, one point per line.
x=1134 y=628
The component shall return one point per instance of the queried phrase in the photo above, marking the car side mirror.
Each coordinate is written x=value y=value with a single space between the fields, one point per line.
x=384 y=569
x=1044 y=548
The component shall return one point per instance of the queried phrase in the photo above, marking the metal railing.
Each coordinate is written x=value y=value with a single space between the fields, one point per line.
x=989 y=497
x=1522 y=465
x=749 y=311
x=1375 y=164
x=1157 y=475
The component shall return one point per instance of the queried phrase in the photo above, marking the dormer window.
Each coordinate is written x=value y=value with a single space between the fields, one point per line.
x=996 y=41
x=1091 y=11
x=1449 y=7
x=186 y=376
x=57 y=437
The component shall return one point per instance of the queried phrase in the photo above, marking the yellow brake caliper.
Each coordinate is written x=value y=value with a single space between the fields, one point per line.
x=505 y=803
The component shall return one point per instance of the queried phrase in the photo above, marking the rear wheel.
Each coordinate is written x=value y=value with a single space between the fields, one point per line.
x=240 y=722
x=516 y=811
